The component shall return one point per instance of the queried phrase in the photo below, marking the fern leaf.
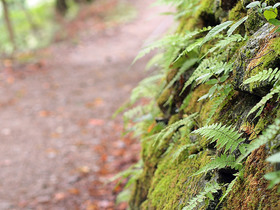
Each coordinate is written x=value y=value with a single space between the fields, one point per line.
x=226 y=137
x=209 y=189
x=236 y=25
x=220 y=162
x=219 y=100
x=206 y=69
x=269 y=75
x=166 y=41
x=229 y=188
x=225 y=42
x=180 y=150
x=195 y=44
x=147 y=88
x=173 y=127
x=216 y=30
x=269 y=134
x=262 y=102
x=189 y=63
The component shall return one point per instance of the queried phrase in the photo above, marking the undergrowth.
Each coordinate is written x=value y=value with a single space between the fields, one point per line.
x=201 y=57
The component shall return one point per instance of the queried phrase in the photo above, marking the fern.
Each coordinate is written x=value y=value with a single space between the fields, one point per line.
x=180 y=151
x=262 y=102
x=229 y=188
x=269 y=134
x=216 y=30
x=206 y=69
x=236 y=25
x=172 y=128
x=226 y=137
x=166 y=41
x=207 y=193
x=147 y=88
x=222 y=95
x=220 y=162
x=187 y=64
x=274 y=176
x=225 y=42
x=270 y=75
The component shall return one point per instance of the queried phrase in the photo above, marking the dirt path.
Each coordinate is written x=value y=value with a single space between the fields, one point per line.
x=57 y=136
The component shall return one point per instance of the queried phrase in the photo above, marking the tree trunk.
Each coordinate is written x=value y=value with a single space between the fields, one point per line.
x=9 y=24
x=61 y=7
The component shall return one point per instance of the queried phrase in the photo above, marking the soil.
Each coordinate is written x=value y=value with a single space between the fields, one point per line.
x=59 y=143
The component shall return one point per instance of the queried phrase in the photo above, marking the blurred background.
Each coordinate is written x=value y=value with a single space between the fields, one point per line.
x=32 y=24
x=65 y=68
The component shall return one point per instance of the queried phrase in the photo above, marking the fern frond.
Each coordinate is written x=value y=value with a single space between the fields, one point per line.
x=269 y=134
x=226 y=137
x=219 y=100
x=173 y=127
x=209 y=189
x=229 y=188
x=236 y=25
x=147 y=88
x=216 y=30
x=166 y=41
x=269 y=75
x=260 y=105
x=220 y=162
x=180 y=150
x=206 y=69
x=187 y=64
x=225 y=42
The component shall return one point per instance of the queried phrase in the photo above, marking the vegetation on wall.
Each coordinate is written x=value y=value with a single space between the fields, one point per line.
x=211 y=110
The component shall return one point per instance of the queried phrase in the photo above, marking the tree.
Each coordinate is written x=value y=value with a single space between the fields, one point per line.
x=8 y=24
x=61 y=7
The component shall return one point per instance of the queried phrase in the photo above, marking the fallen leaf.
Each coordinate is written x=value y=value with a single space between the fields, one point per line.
x=96 y=103
x=44 y=113
x=91 y=206
x=96 y=122
x=59 y=196
x=74 y=191
x=84 y=169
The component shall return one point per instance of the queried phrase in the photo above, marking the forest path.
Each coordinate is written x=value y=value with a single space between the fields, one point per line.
x=58 y=141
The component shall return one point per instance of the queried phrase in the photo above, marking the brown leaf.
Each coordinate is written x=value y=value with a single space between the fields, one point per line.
x=97 y=122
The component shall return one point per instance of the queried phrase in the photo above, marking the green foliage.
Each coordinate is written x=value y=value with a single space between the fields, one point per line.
x=187 y=64
x=270 y=75
x=225 y=42
x=260 y=105
x=268 y=135
x=181 y=150
x=216 y=30
x=206 y=69
x=218 y=100
x=226 y=137
x=269 y=12
x=219 y=162
x=229 y=188
x=170 y=129
x=273 y=177
x=236 y=25
x=206 y=194
x=29 y=35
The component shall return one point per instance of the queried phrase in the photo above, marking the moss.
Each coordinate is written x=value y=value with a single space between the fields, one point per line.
x=254 y=22
x=204 y=16
x=194 y=104
x=173 y=186
x=251 y=192
x=237 y=12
